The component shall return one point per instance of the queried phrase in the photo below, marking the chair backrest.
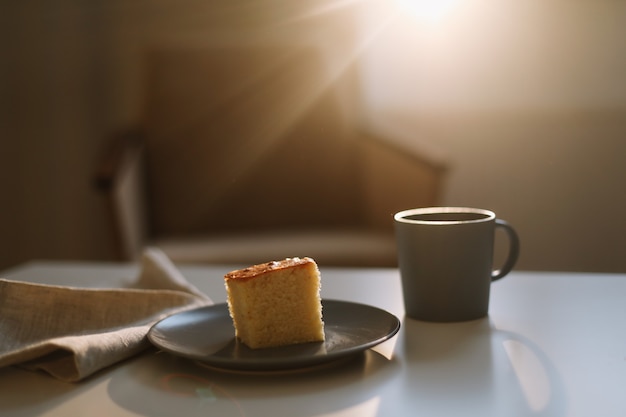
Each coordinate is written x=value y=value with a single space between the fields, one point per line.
x=244 y=138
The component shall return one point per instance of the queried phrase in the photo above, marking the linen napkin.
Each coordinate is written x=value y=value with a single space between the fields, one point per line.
x=72 y=332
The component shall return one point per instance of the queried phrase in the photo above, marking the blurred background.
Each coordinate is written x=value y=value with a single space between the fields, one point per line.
x=524 y=102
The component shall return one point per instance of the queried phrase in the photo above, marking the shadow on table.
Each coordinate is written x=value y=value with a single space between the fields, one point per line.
x=162 y=384
x=32 y=393
x=473 y=369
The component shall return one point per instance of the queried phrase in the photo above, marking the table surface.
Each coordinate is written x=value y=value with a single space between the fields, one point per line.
x=554 y=344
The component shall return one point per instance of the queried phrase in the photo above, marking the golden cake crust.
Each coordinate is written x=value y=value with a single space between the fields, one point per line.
x=260 y=269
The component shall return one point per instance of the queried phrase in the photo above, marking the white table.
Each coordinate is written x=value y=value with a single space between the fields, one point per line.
x=553 y=345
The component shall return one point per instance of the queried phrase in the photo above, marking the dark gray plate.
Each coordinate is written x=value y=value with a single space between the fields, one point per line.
x=207 y=335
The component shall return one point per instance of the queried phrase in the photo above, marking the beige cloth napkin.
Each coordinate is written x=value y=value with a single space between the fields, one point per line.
x=73 y=332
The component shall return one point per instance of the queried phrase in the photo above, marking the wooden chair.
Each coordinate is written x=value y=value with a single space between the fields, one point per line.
x=246 y=155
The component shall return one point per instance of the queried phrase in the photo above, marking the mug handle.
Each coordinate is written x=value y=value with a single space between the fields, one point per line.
x=513 y=250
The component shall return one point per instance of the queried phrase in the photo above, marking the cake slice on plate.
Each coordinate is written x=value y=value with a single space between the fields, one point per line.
x=276 y=303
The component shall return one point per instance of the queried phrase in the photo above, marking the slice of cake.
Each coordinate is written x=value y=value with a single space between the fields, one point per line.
x=276 y=303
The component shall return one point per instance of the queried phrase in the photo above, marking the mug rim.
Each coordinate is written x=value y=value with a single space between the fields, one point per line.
x=402 y=216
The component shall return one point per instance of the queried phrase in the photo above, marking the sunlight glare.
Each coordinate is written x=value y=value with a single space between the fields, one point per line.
x=428 y=11
x=387 y=348
x=530 y=373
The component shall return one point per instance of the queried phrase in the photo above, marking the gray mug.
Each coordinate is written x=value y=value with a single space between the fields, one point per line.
x=445 y=256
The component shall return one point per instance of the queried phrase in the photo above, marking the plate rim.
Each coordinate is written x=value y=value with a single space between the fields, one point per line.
x=273 y=363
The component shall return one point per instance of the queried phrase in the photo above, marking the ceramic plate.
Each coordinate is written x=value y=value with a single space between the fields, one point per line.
x=207 y=335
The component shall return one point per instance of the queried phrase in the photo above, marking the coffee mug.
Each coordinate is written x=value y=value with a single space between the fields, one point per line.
x=445 y=256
